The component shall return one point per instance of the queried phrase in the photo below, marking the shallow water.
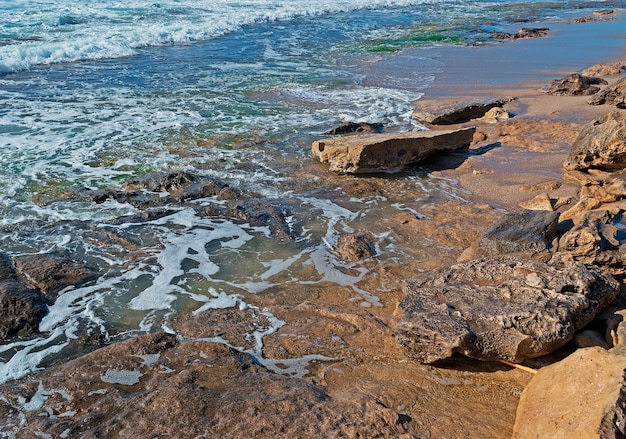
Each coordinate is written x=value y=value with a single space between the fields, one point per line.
x=97 y=92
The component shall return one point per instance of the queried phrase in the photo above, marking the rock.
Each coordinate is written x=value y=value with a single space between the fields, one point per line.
x=353 y=247
x=180 y=185
x=525 y=32
x=499 y=309
x=384 y=152
x=577 y=212
x=525 y=233
x=582 y=396
x=51 y=273
x=612 y=95
x=588 y=339
x=601 y=144
x=574 y=85
x=495 y=114
x=433 y=113
x=608 y=69
x=355 y=127
x=596 y=240
x=21 y=308
x=540 y=202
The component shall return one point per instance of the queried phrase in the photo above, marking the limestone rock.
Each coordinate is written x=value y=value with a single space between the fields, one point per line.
x=612 y=95
x=499 y=309
x=540 y=202
x=21 y=308
x=601 y=144
x=495 y=114
x=383 y=152
x=51 y=273
x=525 y=32
x=574 y=85
x=527 y=233
x=353 y=247
x=582 y=396
x=457 y=112
x=605 y=69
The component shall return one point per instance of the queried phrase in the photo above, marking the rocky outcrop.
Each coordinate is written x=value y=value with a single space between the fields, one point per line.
x=499 y=309
x=527 y=234
x=21 y=308
x=582 y=396
x=608 y=69
x=51 y=273
x=525 y=32
x=384 y=152
x=457 y=112
x=574 y=85
x=601 y=144
x=612 y=95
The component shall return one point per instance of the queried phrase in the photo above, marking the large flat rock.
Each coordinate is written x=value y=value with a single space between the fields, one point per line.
x=499 y=309
x=384 y=152
x=441 y=113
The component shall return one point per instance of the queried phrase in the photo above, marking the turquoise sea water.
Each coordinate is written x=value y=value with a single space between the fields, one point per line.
x=92 y=92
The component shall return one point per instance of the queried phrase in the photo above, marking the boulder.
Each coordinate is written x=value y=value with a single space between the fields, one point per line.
x=612 y=95
x=499 y=309
x=21 y=308
x=600 y=144
x=540 y=202
x=355 y=246
x=434 y=113
x=582 y=396
x=385 y=152
x=526 y=233
x=525 y=32
x=51 y=273
x=355 y=127
x=574 y=85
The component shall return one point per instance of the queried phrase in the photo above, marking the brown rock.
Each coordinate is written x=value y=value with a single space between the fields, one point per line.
x=612 y=95
x=525 y=32
x=382 y=152
x=582 y=396
x=355 y=127
x=574 y=85
x=601 y=144
x=605 y=69
x=540 y=202
x=500 y=309
x=434 y=113
x=353 y=247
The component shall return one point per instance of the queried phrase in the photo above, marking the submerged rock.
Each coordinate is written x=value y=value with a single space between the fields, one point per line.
x=21 y=308
x=384 y=152
x=612 y=95
x=600 y=144
x=434 y=113
x=582 y=396
x=574 y=85
x=499 y=309
x=525 y=32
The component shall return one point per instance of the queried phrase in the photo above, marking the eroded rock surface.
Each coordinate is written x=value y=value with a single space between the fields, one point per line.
x=436 y=114
x=356 y=246
x=575 y=85
x=612 y=95
x=381 y=152
x=499 y=309
x=601 y=144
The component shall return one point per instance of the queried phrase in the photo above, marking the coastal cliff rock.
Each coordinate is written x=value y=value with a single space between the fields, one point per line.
x=582 y=396
x=601 y=144
x=612 y=95
x=499 y=309
x=383 y=152
x=433 y=112
x=21 y=308
x=574 y=85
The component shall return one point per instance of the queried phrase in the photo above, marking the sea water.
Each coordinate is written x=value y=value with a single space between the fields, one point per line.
x=93 y=92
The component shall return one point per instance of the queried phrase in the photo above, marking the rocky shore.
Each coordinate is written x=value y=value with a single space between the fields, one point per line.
x=512 y=326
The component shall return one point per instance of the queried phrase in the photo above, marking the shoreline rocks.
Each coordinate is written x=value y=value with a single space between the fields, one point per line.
x=388 y=152
x=458 y=112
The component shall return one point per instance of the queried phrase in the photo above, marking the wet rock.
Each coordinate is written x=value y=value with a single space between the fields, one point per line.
x=583 y=395
x=21 y=308
x=355 y=127
x=51 y=273
x=499 y=309
x=525 y=32
x=270 y=213
x=597 y=241
x=601 y=144
x=612 y=95
x=383 y=152
x=434 y=113
x=187 y=390
x=526 y=233
x=574 y=85
x=353 y=247
x=608 y=69
x=180 y=185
